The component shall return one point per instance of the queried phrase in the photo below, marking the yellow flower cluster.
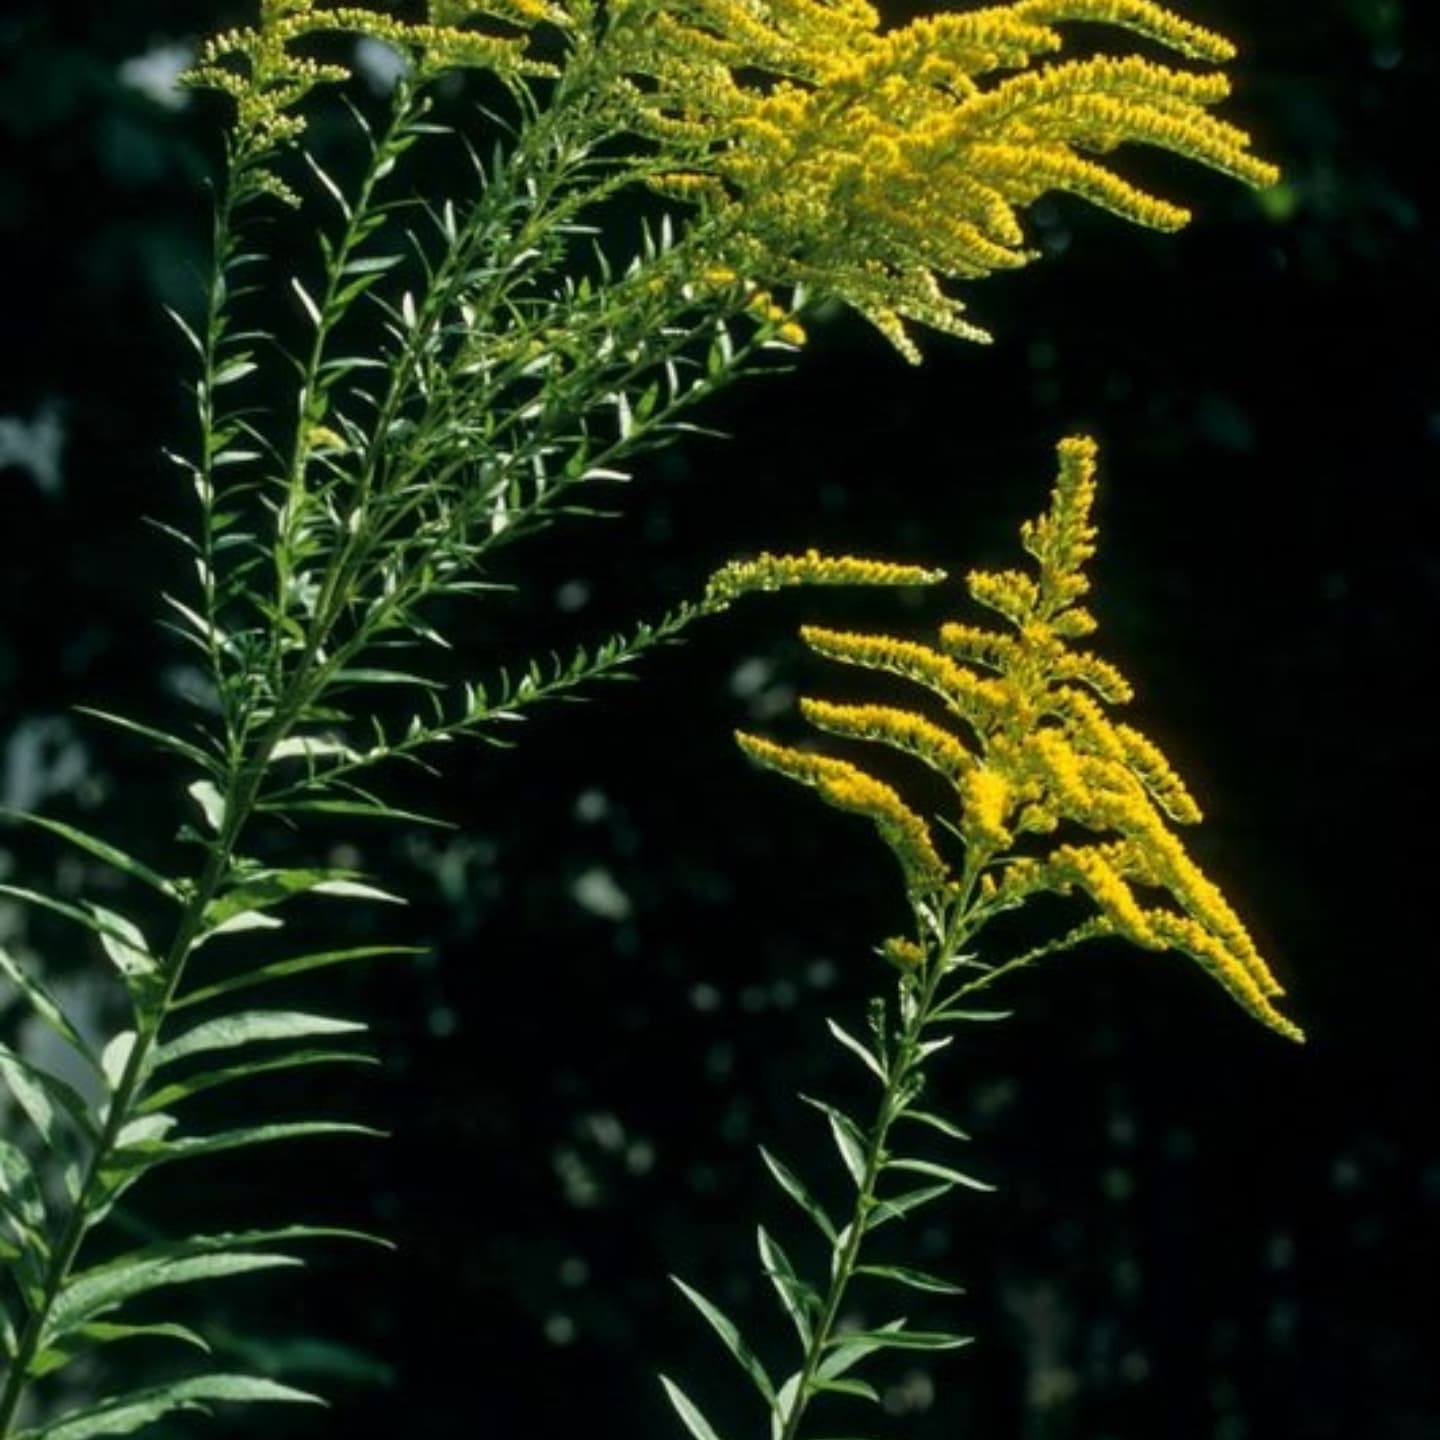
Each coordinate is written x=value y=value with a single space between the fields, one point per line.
x=871 y=165
x=259 y=67
x=780 y=572
x=1036 y=754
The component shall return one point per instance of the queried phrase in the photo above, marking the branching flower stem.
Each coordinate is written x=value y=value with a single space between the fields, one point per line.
x=924 y=1003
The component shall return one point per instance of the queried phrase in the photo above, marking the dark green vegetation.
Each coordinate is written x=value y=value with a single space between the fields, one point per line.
x=1200 y=1233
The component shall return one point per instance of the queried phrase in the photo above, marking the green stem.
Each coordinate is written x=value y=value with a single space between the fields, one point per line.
x=923 y=992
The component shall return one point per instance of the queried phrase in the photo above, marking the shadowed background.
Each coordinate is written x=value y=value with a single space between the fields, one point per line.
x=1199 y=1231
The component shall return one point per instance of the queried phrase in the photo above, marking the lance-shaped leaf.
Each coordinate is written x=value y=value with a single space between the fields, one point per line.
x=125 y=1414
x=266 y=888
x=171 y=1094
x=872 y=1062
x=100 y=849
x=897 y=1205
x=44 y=1005
x=935 y=1122
x=688 y=1411
x=104 y=1332
x=798 y=1298
x=848 y=1138
x=162 y=738
x=92 y=1293
x=248 y=1028
x=940 y=1172
x=729 y=1333
x=791 y=1184
x=38 y=1093
x=915 y=1279
x=283 y=969
x=900 y=1339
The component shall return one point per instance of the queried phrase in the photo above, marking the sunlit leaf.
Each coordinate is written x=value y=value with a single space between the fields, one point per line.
x=726 y=1329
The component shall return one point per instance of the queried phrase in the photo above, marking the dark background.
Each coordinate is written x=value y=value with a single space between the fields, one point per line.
x=1199 y=1231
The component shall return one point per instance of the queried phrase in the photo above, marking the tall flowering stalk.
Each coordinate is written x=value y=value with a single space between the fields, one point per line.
x=1047 y=794
x=457 y=372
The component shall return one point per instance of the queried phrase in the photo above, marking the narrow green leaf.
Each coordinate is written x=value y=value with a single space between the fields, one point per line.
x=939 y=1172
x=784 y=1404
x=116 y=1056
x=861 y=1389
x=359 y=809
x=96 y=1292
x=935 y=1122
x=125 y=1414
x=905 y=1339
x=102 y=1332
x=125 y=944
x=848 y=1138
x=237 y=924
x=729 y=1333
x=947 y=1014
x=848 y=1349
x=797 y=1298
x=212 y=804
x=856 y=1047
x=19 y=1189
x=162 y=738
x=281 y=969
x=688 y=1411
x=55 y=1090
x=898 y=1205
x=46 y=1007
x=251 y=1027
x=101 y=849
x=179 y=1090
x=190 y=1147
x=915 y=1279
x=790 y=1183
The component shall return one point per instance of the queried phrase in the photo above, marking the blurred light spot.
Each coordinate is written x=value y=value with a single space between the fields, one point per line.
x=577 y=1182
x=783 y=994
x=591 y=806
x=34 y=446
x=640 y=1157
x=820 y=974
x=705 y=998
x=573 y=595
x=574 y=1271
x=750 y=677
x=156 y=74
x=595 y=890
x=442 y=1021
x=604 y=1129
x=1117 y=1184
x=559 y=1329
x=1280 y=1253
x=1345 y=1174
x=381 y=65
x=915 y=1392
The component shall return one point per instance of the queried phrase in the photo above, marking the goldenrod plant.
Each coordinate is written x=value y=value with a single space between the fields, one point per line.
x=1047 y=794
x=458 y=370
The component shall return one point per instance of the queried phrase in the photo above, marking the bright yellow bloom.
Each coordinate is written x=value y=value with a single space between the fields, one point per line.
x=1039 y=754
x=780 y=572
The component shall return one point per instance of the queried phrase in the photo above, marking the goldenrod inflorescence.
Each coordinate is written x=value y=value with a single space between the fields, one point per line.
x=824 y=154
x=1031 y=752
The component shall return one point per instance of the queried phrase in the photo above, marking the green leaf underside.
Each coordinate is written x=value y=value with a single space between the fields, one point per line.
x=906 y=1339
x=689 y=1412
x=103 y=1332
x=125 y=1414
x=860 y=1051
x=250 y=1027
x=726 y=1329
x=940 y=1172
x=795 y=1295
x=45 y=1006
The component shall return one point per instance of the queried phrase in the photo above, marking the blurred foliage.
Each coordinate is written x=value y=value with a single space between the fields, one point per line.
x=1200 y=1233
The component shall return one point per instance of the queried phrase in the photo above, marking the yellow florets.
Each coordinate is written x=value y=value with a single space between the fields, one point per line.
x=1039 y=755
x=781 y=572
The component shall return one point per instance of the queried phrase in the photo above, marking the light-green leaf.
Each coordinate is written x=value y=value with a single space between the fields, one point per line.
x=103 y=1332
x=935 y=1122
x=101 y=849
x=795 y=1295
x=178 y=1090
x=940 y=1172
x=251 y=1027
x=729 y=1333
x=207 y=796
x=162 y=738
x=905 y=1339
x=125 y=1414
x=45 y=1006
x=848 y=1139
x=915 y=1279
x=791 y=1184
x=281 y=969
x=861 y=1051
x=688 y=1411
